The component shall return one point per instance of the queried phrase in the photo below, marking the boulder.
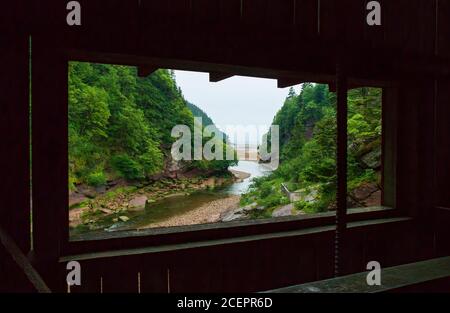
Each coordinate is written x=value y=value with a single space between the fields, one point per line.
x=374 y=199
x=106 y=211
x=124 y=218
x=285 y=210
x=137 y=203
x=373 y=158
x=76 y=198
x=100 y=189
x=364 y=191
x=232 y=216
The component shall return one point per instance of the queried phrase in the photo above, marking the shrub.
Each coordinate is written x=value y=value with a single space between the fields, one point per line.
x=127 y=167
x=96 y=179
x=273 y=200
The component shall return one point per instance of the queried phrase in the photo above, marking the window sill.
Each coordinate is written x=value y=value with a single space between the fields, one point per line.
x=233 y=231
x=234 y=240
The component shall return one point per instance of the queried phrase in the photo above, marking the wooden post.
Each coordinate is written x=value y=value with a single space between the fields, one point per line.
x=15 y=138
x=50 y=162
x=341 y=140
x=341 y=212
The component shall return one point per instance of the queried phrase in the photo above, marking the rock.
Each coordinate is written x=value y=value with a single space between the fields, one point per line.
x=115 y=220
x=75 y=198
x=137 y=203
x=364 y=191
x=106 y=211
x=112 y=183
x=373 y=158
x=124 y=218
x=88 y=192
x=208 y=183
x=247 y=208
x=283 y=211
x=100 y=189
x=310 y=195
x=75 y=216
x=232 y=216
x=374 y=199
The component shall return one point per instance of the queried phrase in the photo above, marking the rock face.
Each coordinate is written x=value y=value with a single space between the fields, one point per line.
x=366 y=195
x=137 y=204
x=285 y=210
x=373 y=158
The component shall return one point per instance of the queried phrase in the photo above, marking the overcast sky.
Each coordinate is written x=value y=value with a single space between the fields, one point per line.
x=244 y=101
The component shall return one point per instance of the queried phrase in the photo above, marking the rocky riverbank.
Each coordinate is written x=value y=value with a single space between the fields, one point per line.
x=208 y=213
x=91 y=207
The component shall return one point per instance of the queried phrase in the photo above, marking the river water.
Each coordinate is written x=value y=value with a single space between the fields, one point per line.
x=176 y=205
x=255 y=169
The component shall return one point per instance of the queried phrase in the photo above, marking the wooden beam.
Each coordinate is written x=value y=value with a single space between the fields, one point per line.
x=287 y=82
x=332 y=86
x=144 y=71
x=215 y=77
x=22 y=262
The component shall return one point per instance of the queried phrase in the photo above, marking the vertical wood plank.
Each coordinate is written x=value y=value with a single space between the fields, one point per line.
x=443 y=28
x=50 y=155
x=374 y=35
x=206 y=13
x=120 y=274
x=15 y=141
x=230 y=12
x=415 y=147
x=328 y=19
x=389 y=146
x=410 y=26
x=306 y=17
x=442 y=145
x=341 y=164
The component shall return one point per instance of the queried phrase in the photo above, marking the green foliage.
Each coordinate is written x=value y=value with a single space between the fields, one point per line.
x=127 y=167
x=96 y=179
x=308 y=145
x=120 y=124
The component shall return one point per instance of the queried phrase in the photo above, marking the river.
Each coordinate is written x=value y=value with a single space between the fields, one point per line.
x=178 y=205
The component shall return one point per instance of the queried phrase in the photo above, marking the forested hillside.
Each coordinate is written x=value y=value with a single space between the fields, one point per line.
x=206 y=120
x=308 y=151
x=120 y=124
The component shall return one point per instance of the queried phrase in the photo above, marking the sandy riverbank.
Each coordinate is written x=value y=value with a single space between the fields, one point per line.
x=207 y=213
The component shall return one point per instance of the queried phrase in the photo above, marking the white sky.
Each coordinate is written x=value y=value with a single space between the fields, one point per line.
x=238 y=100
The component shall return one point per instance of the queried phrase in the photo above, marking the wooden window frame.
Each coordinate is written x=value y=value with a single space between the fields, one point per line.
x=52 y=240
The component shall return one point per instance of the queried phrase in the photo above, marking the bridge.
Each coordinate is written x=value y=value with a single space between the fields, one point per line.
x=292 y=41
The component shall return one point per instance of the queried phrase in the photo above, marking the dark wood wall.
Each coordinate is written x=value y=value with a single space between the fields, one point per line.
x=15 y=142
x=255 y=264
x=268 y=38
